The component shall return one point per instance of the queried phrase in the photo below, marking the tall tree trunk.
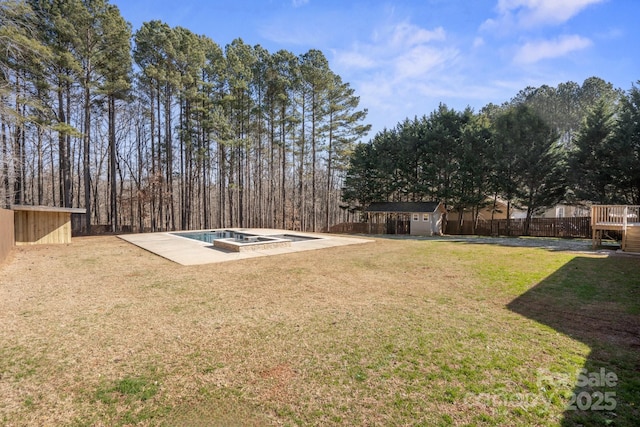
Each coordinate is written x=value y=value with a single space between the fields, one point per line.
x=283 y=174
x=301 y=204
x=272 y=172
x=183 y=192
x=63 y=155
x=40 y=168
x=329 y=174
x=140 y=193
x=5 y=163
x=52 y=168
x=159 y=177
x=152 y=178
x=222 y=177
x=170 y=214
x=18 y=151
x=112 y=163
x=87 y=147
x=313 y=163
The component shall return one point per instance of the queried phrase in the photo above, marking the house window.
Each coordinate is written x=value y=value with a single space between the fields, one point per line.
x=560 y=212
x=425 y=217
x=416 y=217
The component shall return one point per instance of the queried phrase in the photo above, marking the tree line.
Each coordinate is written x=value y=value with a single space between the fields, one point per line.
x=572 y=144
x=164 y=129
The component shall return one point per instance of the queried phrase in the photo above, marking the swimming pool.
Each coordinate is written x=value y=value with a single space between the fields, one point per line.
x=209 y=236
x=293 y=237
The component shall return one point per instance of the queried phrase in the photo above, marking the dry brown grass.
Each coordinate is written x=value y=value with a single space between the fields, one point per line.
x=100 y=332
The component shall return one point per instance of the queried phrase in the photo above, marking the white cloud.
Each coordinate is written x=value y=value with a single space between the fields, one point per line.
x=478 y=42
x=354 y=59
x=298 y=3
x=401 y=51
x=407 y=35
x=525 y=14
x=418 y=61
x=532 y=52
x=399 y=68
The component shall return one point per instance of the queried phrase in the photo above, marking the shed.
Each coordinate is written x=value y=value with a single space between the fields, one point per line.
x=7 y=240
x=415 y=218
x=35 y=225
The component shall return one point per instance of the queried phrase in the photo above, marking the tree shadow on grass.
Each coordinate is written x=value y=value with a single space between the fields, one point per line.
x=550 y=243
x=595 y=301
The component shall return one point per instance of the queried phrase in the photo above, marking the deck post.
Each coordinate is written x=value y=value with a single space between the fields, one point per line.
x=624 y=228
x=593 y=226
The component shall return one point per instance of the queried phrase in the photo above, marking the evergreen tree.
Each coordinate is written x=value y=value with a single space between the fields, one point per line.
x=23 y=60
x=342 y=129
x=592 y=162
x=532 y=166
x=114 y=63
x=627 y=141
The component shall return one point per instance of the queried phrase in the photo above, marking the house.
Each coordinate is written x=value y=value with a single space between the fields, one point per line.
x=415 y=218
x=486 y=213
x=566 y=211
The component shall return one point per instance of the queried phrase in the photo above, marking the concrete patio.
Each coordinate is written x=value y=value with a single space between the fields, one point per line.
x=187 y=251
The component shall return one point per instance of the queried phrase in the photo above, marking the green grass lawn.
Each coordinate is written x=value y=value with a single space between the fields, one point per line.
x=396 y=332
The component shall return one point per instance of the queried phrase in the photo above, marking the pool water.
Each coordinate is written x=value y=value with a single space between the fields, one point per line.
x=211 y=235
x=207 y=236
x=293 y=237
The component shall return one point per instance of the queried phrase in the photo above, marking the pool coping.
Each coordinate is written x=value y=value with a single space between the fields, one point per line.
x=186 y=251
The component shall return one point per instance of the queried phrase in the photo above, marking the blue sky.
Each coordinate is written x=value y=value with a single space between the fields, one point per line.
x=405 y=57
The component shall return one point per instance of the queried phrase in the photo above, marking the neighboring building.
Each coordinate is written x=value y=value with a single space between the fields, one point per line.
x=557 y=211
x=415 y=218
x=500 y=212
x=487 y=213
x=566 y=211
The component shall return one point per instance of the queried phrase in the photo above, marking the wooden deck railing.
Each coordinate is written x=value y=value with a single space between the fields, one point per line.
x=615 y=216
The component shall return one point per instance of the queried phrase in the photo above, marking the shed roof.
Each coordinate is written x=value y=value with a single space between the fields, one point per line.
x=47 y=209
x=403 y=207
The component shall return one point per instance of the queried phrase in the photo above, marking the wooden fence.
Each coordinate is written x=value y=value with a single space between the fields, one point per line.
x=358 y=228
x=579 y=227
x=7 y=237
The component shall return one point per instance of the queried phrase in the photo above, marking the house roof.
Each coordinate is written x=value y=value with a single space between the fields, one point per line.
x=403 y=207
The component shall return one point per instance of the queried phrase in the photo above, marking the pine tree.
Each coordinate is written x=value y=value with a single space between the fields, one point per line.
x=532 y=165
x=592 y=162
x=114 y=63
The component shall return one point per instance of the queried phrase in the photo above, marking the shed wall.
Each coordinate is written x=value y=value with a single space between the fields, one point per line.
x=37 y=227
x=7 y=238
x=421 y=227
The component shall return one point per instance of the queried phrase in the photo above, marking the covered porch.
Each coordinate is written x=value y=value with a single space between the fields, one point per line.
x=622 y=218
